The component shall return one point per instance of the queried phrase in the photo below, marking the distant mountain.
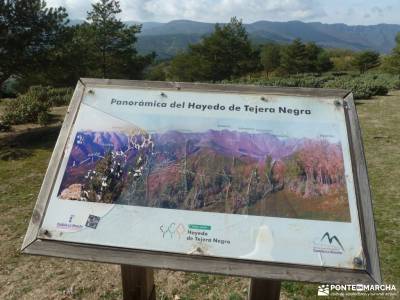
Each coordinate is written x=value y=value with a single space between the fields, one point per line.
x=167 y=39
x=173 y=143
x=73 y=22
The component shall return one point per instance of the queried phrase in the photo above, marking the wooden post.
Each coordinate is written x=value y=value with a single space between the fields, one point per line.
x=137 y=283
x=264 y=289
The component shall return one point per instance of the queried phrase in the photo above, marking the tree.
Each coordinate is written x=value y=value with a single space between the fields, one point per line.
x=312 y=52
x=227 y=52
x=70 y=59
x=318 y=60
x=270 y=57
x=366 y=60
x=323 y=63
x=189 y=67
x=294 y=58
x=341 y=59
x=157 y=72
x=391 y=63
x=29 y=32
x=113 y=42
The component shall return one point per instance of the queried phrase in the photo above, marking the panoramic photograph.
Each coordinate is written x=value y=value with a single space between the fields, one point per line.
x=225 y=171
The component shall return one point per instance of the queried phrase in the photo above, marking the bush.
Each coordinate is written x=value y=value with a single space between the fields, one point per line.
x=54 y=96
x=392 y=82
x=363 y=86
x=34 y=105
x=293 y=81
x=25 y=109
x=4 y=126
x=43 y=118
x=59 y=96
x=10 y=87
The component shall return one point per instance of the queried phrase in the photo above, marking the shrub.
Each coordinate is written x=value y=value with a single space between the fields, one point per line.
x=25 y=109
x=34 y=105
x=4 y=126
x=59 y=96
x=43 y=118
x=293 y=81
x=392 y=82
x=55 y=96
x=10 y=87
x=363 y=86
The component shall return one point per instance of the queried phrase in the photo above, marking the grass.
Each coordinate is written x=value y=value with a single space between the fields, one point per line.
x=23 y=163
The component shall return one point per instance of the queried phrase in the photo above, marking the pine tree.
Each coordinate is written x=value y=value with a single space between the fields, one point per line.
x=113 y=42
x=392 y=62
x=366 y=60
x=29 y=32
x=318 y=60
x=270 y=57
x=294 y=58
x=224 y=54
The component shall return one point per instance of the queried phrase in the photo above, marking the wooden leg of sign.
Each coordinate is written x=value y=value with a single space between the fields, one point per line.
x=137 y=283
x=263 y=289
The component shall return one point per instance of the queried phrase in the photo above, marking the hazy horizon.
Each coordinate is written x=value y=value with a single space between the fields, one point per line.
x=349 y=12
x=257 y=21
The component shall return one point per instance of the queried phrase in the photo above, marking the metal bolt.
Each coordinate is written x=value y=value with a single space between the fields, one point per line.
x=264 y=99
x=47 y=233
x=357 y=261
x=91 y=92
x=163 y=95
x=199 y=250
x=337 y=103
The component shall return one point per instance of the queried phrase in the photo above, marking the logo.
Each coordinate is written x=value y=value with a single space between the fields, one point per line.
x=331 y=239
x=92 y=221
x=343 y=290
x=328 y=244
x=171 y=230
x=323 y=290
x=68 y=224
x=199 y=227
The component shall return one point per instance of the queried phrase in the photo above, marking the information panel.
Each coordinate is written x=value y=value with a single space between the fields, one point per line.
x=244 y=176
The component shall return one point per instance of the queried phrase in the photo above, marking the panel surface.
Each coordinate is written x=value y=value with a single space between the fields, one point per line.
x=225 y=175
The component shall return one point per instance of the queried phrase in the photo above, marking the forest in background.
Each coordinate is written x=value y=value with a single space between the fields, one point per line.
x=42 y=56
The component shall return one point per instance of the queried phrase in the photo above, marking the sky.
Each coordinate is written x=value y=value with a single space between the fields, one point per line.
x=352 y=12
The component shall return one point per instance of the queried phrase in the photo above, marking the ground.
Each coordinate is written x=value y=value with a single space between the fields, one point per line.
x=23 y=161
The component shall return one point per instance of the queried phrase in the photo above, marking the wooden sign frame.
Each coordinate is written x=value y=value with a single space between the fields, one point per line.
x=367 y=269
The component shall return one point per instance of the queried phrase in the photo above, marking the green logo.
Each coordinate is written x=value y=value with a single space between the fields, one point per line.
x=199 y=227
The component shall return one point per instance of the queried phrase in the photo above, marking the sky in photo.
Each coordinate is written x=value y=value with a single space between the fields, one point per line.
x=353 y=12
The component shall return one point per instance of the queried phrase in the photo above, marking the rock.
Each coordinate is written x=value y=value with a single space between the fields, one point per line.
x=73 y=192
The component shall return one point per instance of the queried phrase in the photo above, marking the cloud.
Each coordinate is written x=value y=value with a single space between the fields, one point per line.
x=204 y=10
x=377 y=10
x=77 y=9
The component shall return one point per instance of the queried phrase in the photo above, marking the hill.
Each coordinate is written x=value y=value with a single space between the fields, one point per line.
x=167 y=39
